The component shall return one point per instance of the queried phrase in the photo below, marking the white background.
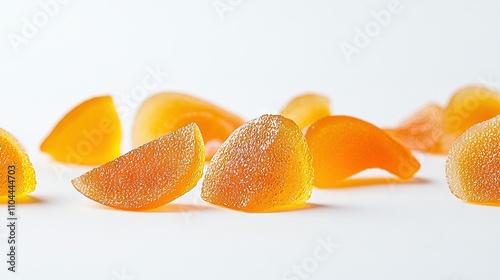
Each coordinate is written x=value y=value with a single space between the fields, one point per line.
x=250 y=60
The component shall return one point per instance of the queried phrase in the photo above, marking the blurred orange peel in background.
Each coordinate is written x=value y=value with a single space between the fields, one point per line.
x=90 y=134
x=165 y=112
x=307 y=108
x=433 y=129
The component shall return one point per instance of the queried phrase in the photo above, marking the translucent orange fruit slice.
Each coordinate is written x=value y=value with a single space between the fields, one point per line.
x=342 y=146
x=165 y=112
x=264 y=165
x=473 y=164
x=17 y=176
x=469 y=106
x=423 y=131
x=150 y=175
x=306 y=109
x=90 y=134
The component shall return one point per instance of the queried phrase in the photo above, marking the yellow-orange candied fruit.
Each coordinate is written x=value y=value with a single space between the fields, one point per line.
x=423 y=131
x=149 y=176
x=342 y=146
x=469 y=106
x=18 y=177
x=90 y=134
x=473 y=164
x=165 y=112
x=306 y=109
x=264 y=165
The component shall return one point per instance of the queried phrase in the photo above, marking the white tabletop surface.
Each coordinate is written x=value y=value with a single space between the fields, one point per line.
x=249 y=57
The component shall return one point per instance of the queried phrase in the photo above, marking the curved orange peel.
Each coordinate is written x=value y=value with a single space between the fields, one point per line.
x=342 y=146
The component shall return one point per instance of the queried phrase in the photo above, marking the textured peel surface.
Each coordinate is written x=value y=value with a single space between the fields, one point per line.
x=264 y=164
x=14 y=158
x=150 y=175
x=473 y=164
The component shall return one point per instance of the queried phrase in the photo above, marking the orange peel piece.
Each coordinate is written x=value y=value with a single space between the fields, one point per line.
x=306 y=109
x=342 y=146
x=15 y=168
x=165 y=112
x=423 y=131
x=264 y=165
x=149 y=176
x=469 y=106
x=90 y=134
x=473 y=164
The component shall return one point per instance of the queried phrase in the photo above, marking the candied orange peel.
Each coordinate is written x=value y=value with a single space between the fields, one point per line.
x=342 y=146
x=264 y=165
x=165 y=112
x=306 y=109
x=473 y=164
x=17 y=173
x=149 y=176
x=90 y=134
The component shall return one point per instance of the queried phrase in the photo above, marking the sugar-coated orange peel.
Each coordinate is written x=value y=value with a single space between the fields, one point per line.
x=264 y=165
x=90 y=134
x=165 y=112
x=473 y=164
x=16 y=170
x=306 y=109
x=342 y=146
x=149 y=176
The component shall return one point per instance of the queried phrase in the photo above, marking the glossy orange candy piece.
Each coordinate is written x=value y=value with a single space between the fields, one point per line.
x=264 y=165
x=473 y=164
x=423 y=131
x=306 y=109
x=150 y=175
x=342 y=146
x=90 y=134
x=469 y=106
x=165 y=112
x=15 y=168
